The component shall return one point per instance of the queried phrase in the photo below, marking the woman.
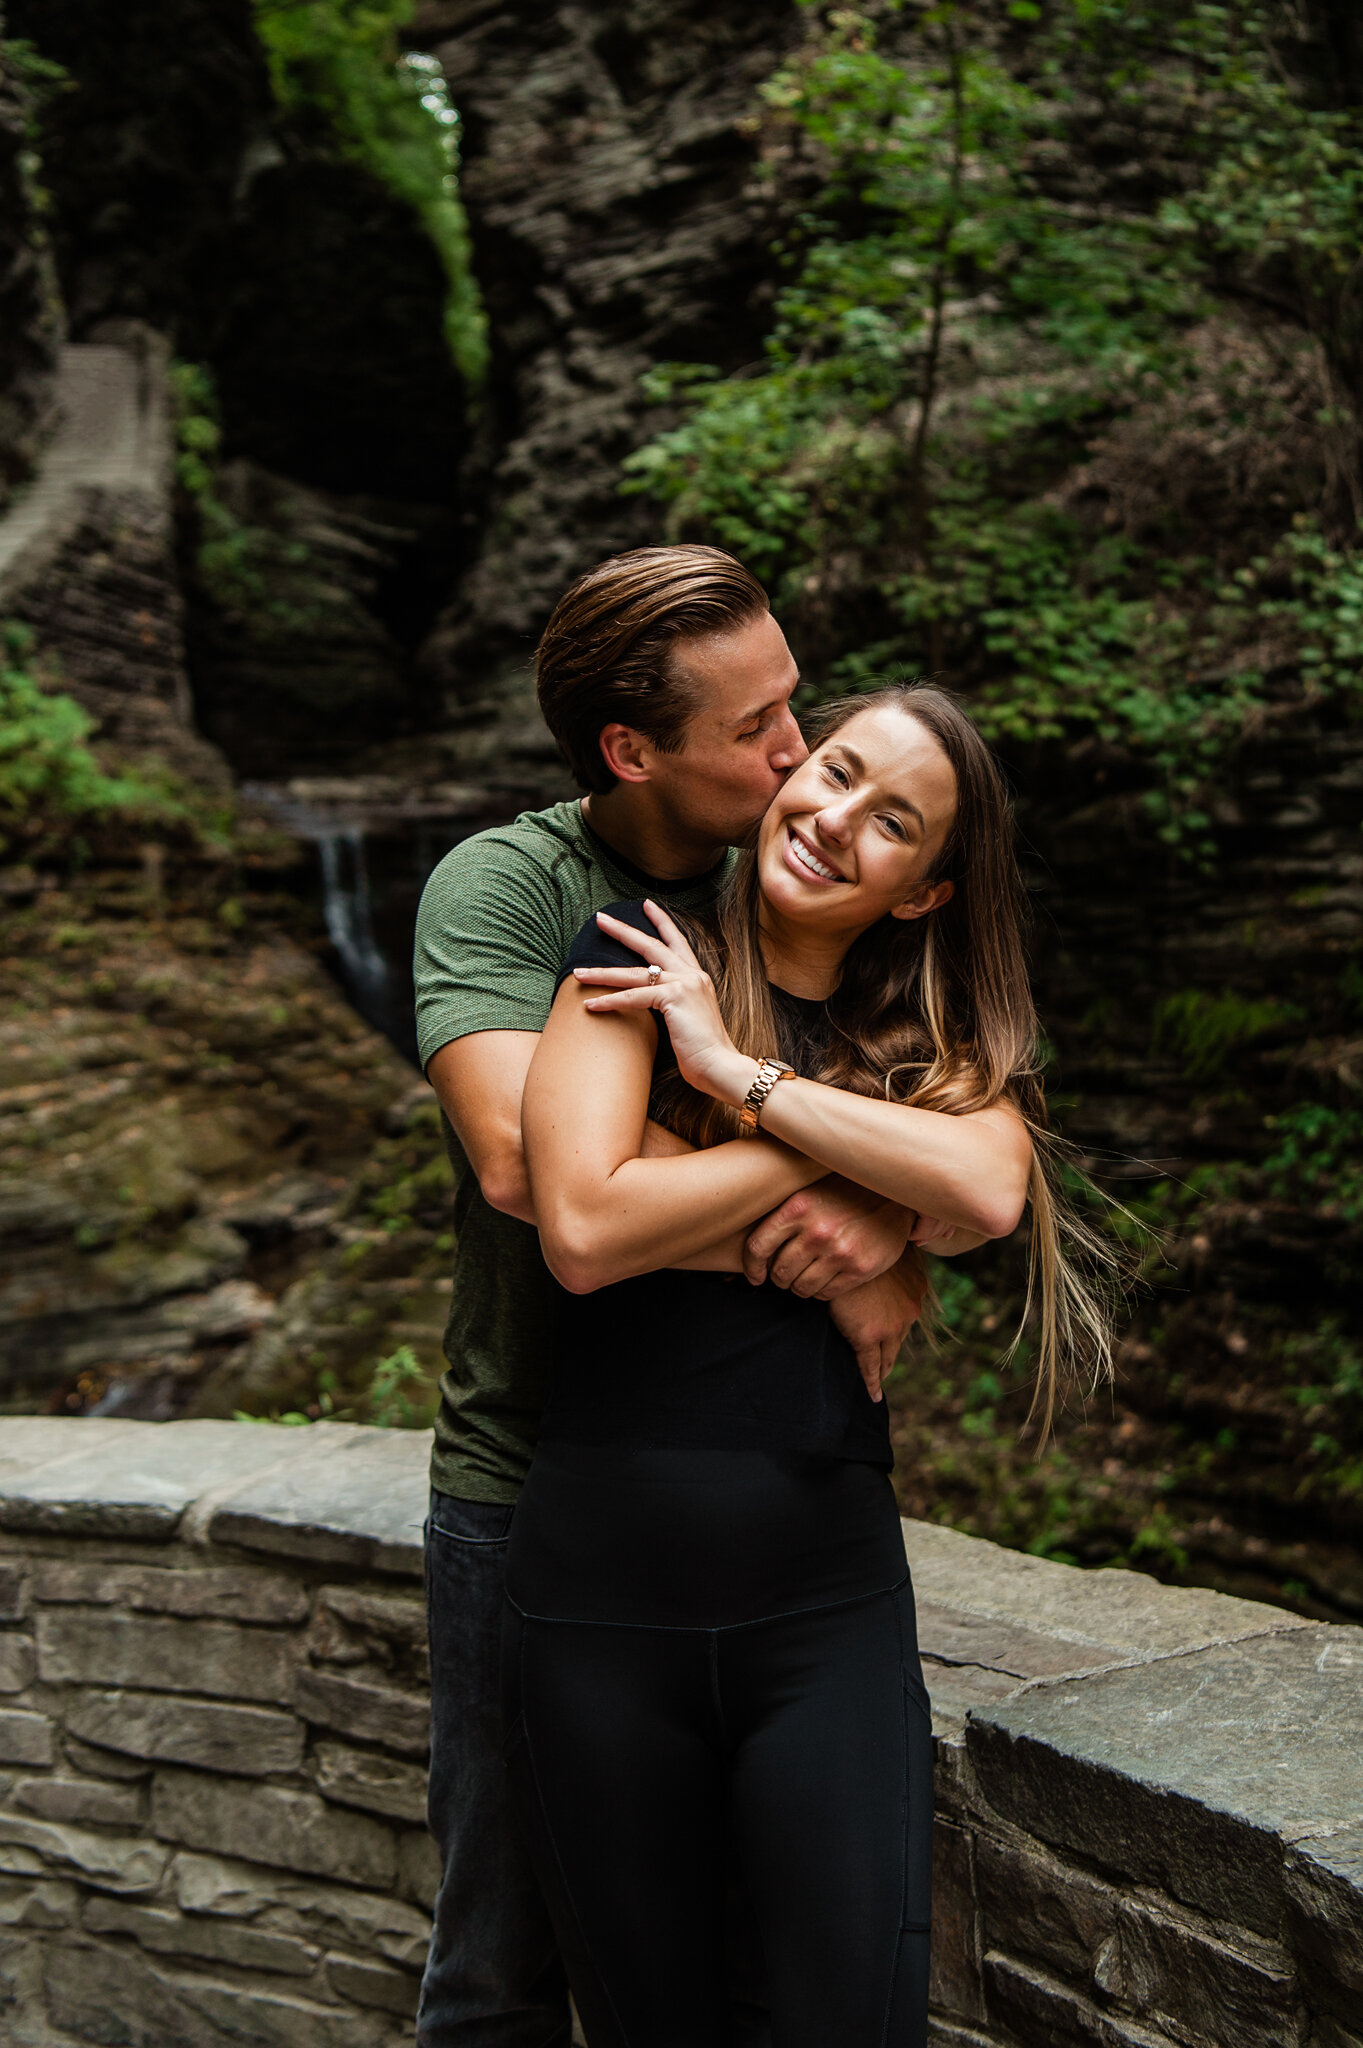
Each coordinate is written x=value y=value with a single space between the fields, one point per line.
x=710 y=1642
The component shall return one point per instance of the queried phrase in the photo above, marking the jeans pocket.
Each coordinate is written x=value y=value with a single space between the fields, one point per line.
x=477 y=1522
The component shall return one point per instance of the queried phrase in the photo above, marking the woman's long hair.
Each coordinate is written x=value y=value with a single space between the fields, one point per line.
x=935 y=1012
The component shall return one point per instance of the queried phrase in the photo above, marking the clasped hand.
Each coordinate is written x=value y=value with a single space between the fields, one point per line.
x=706 y=1055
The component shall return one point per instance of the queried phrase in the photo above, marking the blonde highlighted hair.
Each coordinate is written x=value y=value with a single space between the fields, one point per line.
x=937 y=1013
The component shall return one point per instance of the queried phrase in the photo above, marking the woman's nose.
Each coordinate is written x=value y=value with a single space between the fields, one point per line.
x=834 y=821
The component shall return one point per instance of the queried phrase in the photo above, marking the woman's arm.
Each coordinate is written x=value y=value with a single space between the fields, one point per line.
x=970 y=1172
x=605 y=1213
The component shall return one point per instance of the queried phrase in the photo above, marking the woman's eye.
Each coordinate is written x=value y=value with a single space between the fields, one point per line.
x=835 y=774
x=895 y=826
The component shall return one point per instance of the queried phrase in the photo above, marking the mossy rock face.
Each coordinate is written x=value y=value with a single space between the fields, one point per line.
x=291 y=662
x=30 y=313
x=184 y=197
x=184 y=1100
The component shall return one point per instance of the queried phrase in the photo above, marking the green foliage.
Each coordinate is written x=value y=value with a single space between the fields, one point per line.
x=339 y=60
x=389 y=1406
x=49 y=778
x=1203 y=1031
x=954 y=326
x=38 y=79
x=1318 y=1159
x=238 y=564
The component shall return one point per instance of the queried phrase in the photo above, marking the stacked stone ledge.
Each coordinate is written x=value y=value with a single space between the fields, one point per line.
x=213 y=1725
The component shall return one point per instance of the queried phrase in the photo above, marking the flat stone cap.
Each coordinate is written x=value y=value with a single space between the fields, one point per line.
x=1004 y=1611
x=1197 y=1773
x=333 y=1492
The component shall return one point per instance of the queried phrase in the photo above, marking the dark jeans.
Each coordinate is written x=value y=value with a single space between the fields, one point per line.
x=493 y=1977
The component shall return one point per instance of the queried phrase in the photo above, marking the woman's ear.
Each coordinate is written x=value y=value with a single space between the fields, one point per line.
x=931 y=896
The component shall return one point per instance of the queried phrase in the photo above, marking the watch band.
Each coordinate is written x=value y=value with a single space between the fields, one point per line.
x=769 y=1072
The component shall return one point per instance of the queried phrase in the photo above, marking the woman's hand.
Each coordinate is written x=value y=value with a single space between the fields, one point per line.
x=706 y=1055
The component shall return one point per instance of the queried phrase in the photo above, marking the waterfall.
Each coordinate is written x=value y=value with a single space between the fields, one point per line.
x=350 y=919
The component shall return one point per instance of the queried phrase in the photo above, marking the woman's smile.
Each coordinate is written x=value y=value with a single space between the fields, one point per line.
x=802 y=860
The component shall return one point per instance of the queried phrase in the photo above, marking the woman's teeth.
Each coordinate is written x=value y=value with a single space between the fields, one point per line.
x=807 y=859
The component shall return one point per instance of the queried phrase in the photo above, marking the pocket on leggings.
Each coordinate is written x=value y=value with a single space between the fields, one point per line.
x=476 y=1522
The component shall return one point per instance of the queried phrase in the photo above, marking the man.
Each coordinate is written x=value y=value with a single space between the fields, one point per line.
x=667 y=683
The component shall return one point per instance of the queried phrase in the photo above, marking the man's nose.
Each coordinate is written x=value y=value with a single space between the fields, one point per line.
x=790 y=746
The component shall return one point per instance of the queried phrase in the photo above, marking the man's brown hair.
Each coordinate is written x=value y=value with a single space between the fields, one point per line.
x=608 y=652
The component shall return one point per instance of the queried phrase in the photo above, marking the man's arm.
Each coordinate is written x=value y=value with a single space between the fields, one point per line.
x=876 y=1317
x=479 y=1081
x=833 y=1237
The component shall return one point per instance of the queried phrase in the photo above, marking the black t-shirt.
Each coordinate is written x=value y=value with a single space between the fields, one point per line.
x=677 y=1359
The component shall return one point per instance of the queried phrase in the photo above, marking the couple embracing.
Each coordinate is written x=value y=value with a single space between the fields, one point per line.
x=720 y=1047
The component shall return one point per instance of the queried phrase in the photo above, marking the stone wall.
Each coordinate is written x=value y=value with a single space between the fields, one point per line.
x=213 y=1719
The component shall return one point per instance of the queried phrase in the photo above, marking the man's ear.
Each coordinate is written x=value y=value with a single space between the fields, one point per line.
x=625 y=752
x=923 y=901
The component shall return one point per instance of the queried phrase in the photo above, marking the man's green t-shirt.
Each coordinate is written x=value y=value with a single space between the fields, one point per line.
x=496 y=919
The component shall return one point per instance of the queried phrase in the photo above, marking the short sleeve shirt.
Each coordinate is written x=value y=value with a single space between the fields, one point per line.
x=497 y=918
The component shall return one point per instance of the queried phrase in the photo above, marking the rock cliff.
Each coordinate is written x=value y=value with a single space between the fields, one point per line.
x=609 y=186
x=29 y=309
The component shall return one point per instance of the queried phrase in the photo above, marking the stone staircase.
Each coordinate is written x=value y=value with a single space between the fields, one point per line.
x=87 y=555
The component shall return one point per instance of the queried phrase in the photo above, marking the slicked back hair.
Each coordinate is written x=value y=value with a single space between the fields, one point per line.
x=608 y=654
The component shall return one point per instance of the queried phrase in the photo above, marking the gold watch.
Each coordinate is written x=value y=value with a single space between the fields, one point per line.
x=769 y=1072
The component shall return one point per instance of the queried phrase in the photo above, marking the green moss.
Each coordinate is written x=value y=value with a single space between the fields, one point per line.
x=1204 y=1031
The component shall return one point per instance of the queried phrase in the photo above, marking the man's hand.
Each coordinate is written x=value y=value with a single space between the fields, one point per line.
x=827 y=1240
x=878 y=1316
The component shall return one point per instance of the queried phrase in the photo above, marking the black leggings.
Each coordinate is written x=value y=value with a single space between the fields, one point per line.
x=644 y=1758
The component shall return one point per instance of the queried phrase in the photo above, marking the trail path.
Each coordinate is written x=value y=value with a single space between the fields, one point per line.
x=112 y=433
